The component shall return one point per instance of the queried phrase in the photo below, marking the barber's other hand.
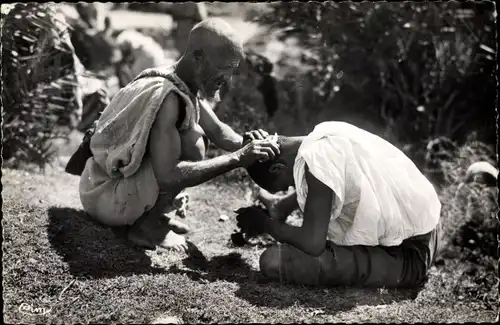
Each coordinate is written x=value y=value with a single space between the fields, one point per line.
x=257 y=150
x=254 y=135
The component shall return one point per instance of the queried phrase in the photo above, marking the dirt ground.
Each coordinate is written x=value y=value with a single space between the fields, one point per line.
x=61 y=267
x=58 y=259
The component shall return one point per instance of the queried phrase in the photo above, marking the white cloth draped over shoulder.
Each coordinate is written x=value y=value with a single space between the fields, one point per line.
x=381 y=198
x=118 y=184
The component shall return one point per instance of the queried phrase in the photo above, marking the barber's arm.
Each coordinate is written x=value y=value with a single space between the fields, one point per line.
x=311 y=236
x=176 y=174
x=221 y=134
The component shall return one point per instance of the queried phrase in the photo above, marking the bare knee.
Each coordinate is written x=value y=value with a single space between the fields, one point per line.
x=270 y=263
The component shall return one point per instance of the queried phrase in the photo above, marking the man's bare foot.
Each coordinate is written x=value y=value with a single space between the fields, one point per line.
x=178 y=227
x=161 y=231
x=175 y=242
x=140 y=239
x=171 y=241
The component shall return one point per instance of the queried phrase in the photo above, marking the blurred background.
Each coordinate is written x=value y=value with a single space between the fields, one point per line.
x=410 y=72
x=420 y=74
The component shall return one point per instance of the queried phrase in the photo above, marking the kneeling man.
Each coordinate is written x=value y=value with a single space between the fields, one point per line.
x=370 y=216
x=149 y=143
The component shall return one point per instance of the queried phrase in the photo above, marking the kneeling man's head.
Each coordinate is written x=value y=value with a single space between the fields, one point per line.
x=277 y=174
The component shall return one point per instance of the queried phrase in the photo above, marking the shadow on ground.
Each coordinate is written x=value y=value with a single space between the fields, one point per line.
x=231 y=267
x=263 y=292
x=92 y=250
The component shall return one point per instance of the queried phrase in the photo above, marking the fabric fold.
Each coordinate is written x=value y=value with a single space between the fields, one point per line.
x=118 y=184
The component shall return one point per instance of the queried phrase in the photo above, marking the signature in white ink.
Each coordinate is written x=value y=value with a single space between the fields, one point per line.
x=29 y=309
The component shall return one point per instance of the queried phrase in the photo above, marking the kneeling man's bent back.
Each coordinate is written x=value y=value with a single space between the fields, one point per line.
x=370 y=216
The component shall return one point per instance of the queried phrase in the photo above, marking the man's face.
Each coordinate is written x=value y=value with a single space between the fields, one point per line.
x=278 y=177
x=281 y=179
x=214 y=75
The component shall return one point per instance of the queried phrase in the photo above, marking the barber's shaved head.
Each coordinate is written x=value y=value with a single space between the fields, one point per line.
x=215 y=50
x=219 y=40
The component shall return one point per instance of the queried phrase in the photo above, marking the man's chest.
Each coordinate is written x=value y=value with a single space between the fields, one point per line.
x=193 y=144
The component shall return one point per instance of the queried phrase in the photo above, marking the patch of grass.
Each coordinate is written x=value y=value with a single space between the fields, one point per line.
x=475 y=204
x=470 y=226
x=55 y=257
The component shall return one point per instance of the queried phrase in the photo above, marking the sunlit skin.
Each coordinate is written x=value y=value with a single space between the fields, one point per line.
x=177 y=158
x=311 y=236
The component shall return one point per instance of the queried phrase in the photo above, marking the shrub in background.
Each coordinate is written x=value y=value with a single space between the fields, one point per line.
x=470 y=214
x=470 y=225
x=423 y=70
x=40 y=92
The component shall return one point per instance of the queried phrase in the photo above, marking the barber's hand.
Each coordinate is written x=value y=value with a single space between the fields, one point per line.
x=257 y=150
x=254 y=135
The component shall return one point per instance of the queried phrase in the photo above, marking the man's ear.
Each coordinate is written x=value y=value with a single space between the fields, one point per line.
x=277 y=167
x=224 y=89
x=198 y=55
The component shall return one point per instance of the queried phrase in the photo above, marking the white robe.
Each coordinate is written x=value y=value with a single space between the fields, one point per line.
x=381 y=198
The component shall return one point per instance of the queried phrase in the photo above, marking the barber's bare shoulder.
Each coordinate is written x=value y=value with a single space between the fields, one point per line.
x=164 y=141
x=168 y=113
x=164 y=137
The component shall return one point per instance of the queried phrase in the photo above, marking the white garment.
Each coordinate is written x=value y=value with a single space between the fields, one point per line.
x=381 y=198
x=118 y=183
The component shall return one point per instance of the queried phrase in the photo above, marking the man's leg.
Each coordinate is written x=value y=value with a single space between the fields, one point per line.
x=156 y=228
x=279 y=207
x=400 y=266
x=287 y=264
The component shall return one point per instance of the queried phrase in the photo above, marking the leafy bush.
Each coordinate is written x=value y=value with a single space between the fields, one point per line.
x=40 y=93
x=421 y=69
x=469 y=214
x=470 y=224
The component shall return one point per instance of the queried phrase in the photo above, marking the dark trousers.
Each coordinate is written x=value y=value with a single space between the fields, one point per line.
x=402 y=266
